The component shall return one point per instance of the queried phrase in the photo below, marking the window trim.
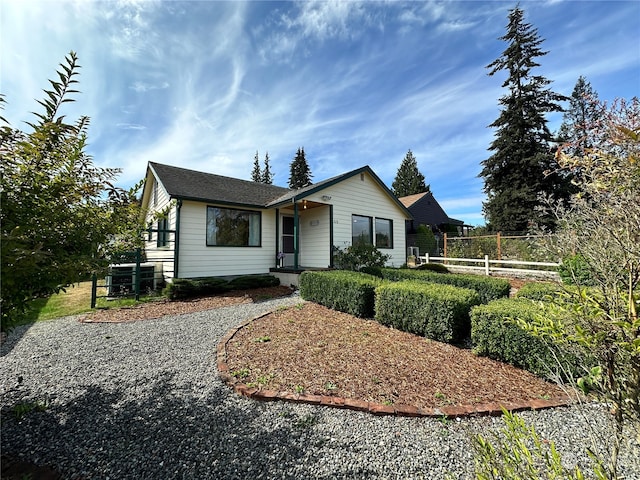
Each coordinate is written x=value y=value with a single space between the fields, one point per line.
x=390 y=220
x=162 y=235
x=371 y=239
x=239 y=209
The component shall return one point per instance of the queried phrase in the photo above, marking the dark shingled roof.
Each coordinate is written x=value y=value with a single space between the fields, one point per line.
x=207 y=187
x=426 y=210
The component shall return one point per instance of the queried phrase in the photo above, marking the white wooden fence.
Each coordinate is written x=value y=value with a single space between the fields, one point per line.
x=549 y=269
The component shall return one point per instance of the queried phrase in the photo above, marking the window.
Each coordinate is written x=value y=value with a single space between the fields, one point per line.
x=288 y=235
x=384 y=233
x=163 y=232
x=233 y=228
x=361 y=230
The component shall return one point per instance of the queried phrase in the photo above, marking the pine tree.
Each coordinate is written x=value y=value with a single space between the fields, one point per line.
x=409 y=180
x=256 y=174
x=267 y=176
x=581 y=121
x=300 y=173
x=518 y=174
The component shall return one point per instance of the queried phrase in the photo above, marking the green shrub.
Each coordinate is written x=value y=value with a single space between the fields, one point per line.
x=247 y=282
x=439 y=312
x=345 y=291
x=540 y=291
x=372 y=270
x=496 y=335
x=489 y=288
x=434 y=267
x=425 y=240
x=574 y=270
x=358 y=256
x=180 y=288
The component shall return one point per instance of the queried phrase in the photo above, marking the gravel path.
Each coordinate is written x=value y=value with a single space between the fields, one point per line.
x=143 y=400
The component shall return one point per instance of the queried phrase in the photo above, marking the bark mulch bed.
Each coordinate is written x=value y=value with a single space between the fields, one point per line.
x=312 y=350
x=164 y=307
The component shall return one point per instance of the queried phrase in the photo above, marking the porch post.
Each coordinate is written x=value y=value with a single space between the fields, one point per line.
x=296 y=235
x=277 y=236
x=331 y=236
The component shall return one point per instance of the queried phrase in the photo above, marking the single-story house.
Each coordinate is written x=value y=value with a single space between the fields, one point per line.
x=204 y=225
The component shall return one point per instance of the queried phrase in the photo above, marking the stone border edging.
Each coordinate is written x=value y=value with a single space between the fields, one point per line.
x=485 y=409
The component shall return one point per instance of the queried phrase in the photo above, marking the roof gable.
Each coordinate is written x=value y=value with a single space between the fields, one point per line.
x=312 y=189
x=187 y=184
x=425 y=209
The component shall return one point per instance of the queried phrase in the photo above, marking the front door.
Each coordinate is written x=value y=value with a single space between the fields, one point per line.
x=287 y=241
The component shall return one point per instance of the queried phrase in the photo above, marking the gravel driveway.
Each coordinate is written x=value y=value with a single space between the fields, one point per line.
x=143 y=400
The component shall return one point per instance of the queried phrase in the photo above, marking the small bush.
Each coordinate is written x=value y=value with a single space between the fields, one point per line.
x=495 y=334
x=345 y=291
x=248 y=282
x=358 y=256
x=574 y=270
x=539 y=291
x=375 y=271
x=489 y=288
x=181 y=288
x=434 y=267
x=439 y=312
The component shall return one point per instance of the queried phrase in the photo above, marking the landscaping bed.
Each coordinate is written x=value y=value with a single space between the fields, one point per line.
x=313 y=350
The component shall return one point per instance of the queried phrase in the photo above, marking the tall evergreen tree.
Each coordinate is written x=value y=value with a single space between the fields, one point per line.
x=409 y=180
x=581 y=121
x=518 y=174
x=267 y=176
x=300 y=173
x=256 y=173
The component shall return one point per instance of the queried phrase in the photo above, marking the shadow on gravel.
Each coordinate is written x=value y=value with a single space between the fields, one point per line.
x=172 y=430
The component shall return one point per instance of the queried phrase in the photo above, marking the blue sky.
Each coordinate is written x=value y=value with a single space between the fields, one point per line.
x=203 y=85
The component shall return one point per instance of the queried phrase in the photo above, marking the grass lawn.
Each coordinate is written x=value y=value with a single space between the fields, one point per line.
x=76 y=300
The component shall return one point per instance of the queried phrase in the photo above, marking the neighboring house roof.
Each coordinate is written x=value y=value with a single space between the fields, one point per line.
x=206 y=187
x=426 y=210
x=185 y=184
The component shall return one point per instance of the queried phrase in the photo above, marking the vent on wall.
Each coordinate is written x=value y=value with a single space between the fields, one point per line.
x=362 y=177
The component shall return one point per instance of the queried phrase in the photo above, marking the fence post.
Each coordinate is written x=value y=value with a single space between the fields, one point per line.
x=445 y=245
x=499 y=247
x=94 y=287
x=426 y=257
x=137 y=274
x=486 y=265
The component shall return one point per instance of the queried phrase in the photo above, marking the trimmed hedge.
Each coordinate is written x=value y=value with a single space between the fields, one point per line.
x=540 y=291
x=342 y=290
x=434 y=267
x=181 y=288
x=439 y=312
x=494 y=335
x=489 y=288
x=248 y=282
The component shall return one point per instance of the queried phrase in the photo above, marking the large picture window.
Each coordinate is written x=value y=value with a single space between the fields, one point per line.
x=233 y=228
x=384 y=233
x=361 y=230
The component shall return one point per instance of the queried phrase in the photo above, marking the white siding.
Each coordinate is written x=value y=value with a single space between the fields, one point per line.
x=314 y=237
x=157 y=200
x=361 y=195
x=199 y=260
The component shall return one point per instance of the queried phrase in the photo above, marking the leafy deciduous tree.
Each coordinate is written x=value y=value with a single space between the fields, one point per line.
x=60 y=213
x=409 y=180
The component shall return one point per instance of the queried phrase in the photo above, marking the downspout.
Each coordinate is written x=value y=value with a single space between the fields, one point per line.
x=176 y=243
